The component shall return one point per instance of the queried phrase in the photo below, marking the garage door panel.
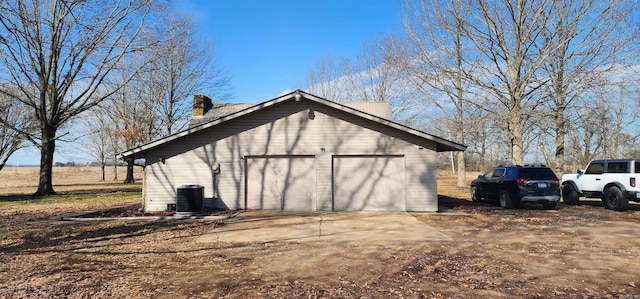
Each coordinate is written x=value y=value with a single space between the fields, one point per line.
x=373 y=183
x=281 y=183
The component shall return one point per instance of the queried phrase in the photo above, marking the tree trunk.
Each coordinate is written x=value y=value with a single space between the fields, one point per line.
x=102 y=166
x=517 y=143
x=129 y=179
x=462 y=174
x=560 y=127
x=462 y=171
x=483 y=149
x=453 y=165
x=48 y=146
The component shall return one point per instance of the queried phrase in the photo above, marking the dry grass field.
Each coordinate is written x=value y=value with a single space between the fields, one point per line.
x=581 y=251
x=80 y=189
x=24 y=180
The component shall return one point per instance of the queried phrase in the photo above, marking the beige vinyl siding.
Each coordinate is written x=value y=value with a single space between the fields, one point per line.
x=288 y=128
x=380 y=109
x=420 y=180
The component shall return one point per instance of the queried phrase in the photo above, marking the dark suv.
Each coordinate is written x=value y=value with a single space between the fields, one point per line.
x=512 y=184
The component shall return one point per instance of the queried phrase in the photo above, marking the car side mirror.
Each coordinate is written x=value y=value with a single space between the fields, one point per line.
x=480 y=176
x=579 y=171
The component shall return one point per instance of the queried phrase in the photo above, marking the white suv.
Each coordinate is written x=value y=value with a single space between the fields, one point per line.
x=614 y=181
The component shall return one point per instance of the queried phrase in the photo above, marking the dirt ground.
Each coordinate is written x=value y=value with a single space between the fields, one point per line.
x=581 y=251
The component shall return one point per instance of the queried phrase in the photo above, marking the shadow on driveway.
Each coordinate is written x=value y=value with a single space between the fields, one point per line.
x=374 y=228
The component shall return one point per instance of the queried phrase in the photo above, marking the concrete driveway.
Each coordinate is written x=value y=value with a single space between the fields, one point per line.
x=360 y=227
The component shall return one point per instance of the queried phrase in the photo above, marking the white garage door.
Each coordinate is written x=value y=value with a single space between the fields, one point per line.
x=368 y=183
x=281 y=183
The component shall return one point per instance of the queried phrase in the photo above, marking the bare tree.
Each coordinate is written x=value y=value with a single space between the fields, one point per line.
x=605 y=126
x=59 y=54
x=159 y=81
x=374 y=75
x=99 y=141
x=15 y=121
x=589 y=39
x=508 y=39
x=131 y=111
x=180 y=66
x=479 y=135
x=617 y=118
x=438 y=61
x=585 y=137
x=328 y=78
x=377 y=75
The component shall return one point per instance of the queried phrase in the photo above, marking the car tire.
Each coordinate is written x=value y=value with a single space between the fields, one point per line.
x=569 y=195
x=614 y=199
x=474 y=195
x=550 y=206
x=505 y=199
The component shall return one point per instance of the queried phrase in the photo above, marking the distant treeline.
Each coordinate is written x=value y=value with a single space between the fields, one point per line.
x=70 y=164
x=90 y=164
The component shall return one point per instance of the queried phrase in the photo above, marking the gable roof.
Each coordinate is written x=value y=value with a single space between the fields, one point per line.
x=217 y=110
x=442 y=144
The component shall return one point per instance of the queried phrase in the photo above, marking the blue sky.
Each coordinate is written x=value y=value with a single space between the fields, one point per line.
x=268 y=45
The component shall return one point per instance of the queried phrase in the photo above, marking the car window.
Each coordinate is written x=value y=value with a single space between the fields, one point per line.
x=537 y=173
x=637 y=167
x=509 y=172
x=488 y=174
x=498 y=172
x=595 y=168
x=617 y=167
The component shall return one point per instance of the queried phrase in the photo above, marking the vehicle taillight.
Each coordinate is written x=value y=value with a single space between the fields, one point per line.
x=632 y=182
x=522 y=181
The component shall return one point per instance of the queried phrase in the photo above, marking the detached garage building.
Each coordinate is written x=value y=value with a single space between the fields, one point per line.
x=295 y=152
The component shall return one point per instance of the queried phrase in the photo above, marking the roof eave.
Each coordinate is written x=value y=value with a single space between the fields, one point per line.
x=205 y=125
x=443 y=145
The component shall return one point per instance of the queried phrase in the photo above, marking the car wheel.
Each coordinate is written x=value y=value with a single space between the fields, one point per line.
x=474 y=194
x=569 y=195
x=505 y=199
x=614 y=199
x=550 y=206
